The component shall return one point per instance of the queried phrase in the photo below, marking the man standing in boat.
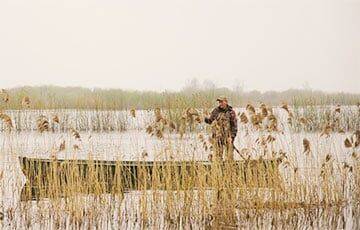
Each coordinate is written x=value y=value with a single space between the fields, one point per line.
x=224 y=128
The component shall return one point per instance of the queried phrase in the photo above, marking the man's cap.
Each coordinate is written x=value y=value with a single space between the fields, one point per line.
x=222 y=98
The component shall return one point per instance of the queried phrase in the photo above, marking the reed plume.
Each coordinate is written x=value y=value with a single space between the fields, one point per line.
x=6 y=120
x=62 y=146
x=270 y=139
x=348 y=143
x=328 y=128
x=42 y=124
x=256 y=120
x=158 y=115
x=273 y=123
x=243 y=118
x=285 y=106
x=203 y=142
x=133 y=112
x=149 y=129
x=25 y=102
x=353 y=141
x=172 y=126
x=56 y=119
x=264 y=110
x=5 y=95
x=250 y=109
x=303 y=121
x=75 y=134
x=337 y=109
x=306 y=145
x=76 y=147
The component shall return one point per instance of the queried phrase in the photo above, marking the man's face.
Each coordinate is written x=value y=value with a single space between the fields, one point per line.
x=223 y=104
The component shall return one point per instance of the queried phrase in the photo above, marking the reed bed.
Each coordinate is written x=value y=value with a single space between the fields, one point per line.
x=53 y=97
x=65 y=120
x=298 y=119
x=312 y=182
x=192 y=195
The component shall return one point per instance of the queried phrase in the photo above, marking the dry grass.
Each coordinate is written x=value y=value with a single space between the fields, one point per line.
x=206 y=198
x=225 y=195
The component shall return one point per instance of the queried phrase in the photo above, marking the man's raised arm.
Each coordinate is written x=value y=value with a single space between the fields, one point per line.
x=212 y=117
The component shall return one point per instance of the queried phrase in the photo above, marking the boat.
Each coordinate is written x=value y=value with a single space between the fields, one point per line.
x=58 y=178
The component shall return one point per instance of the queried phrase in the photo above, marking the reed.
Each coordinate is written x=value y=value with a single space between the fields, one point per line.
x=309 y=185
x=189 y=193
x=52 y=97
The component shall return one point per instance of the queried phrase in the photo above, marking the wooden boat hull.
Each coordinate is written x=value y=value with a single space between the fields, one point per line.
x=54 y=178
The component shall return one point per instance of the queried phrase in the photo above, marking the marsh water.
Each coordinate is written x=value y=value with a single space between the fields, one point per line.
x=134 y=143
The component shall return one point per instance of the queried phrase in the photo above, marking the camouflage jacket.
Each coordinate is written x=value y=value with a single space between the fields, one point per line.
x=230 y=116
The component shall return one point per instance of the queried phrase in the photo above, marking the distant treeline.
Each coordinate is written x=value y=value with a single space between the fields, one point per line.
x=54 y=97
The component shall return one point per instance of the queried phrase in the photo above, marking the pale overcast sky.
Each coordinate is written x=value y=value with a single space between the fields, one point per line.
x=158 y=44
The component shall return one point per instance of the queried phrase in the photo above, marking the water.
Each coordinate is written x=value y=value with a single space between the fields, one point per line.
x=136 y=144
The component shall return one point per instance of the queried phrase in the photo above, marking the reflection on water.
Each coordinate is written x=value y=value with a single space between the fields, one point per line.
x=112 y=213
